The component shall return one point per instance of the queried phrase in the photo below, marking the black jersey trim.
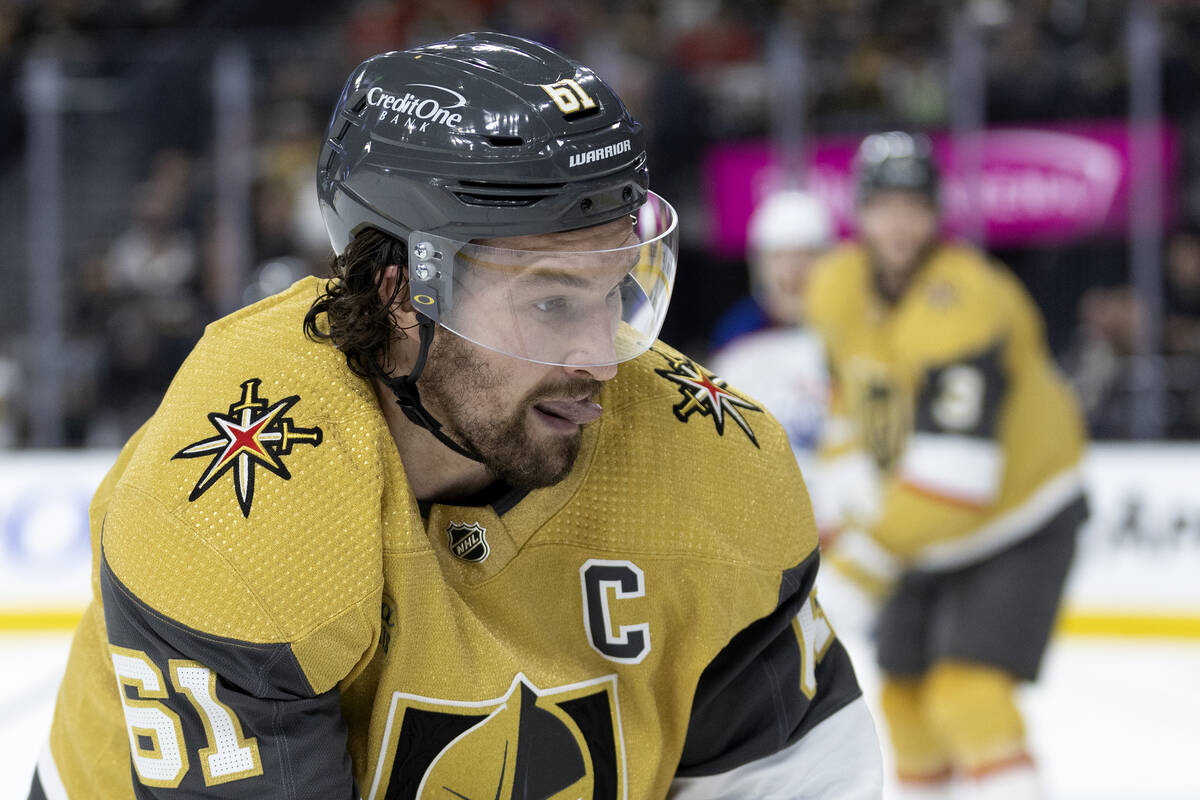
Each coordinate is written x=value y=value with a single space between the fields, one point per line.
x=988 y=364
x=35 y=791
x=748 y=702
x=263 y=669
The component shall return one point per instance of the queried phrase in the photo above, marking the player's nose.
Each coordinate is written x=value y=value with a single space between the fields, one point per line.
x=603 y=372
x=592 y=349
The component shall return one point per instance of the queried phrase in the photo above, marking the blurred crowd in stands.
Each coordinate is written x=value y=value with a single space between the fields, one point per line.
x=139 y=161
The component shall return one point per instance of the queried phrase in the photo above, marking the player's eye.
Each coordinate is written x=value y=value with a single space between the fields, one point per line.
x=552 y=305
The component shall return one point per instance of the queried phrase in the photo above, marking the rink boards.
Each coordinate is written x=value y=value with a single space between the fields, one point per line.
x=1134 y=576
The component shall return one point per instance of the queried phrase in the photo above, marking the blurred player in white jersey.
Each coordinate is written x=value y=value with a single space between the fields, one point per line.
x=781 y=364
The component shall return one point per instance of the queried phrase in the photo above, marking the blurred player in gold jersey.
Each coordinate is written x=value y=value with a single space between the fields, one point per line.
x=966 y=443
x=454 y=524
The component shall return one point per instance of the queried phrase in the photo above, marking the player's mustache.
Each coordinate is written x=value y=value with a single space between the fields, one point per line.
x=571 y=389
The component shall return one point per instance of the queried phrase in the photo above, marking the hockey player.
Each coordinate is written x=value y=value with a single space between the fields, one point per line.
x=782 y=365
x=943 y=383
x=453 y=524
x=786 y=233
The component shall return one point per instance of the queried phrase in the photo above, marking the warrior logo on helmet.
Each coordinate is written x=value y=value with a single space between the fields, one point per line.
x=553 y=744
x=600 y=153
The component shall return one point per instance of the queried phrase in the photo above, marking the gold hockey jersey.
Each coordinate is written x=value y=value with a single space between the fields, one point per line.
x=975 y=436
x=275 y=614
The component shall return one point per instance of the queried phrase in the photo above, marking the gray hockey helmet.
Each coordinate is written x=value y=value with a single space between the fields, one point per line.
x=486 y=136
x=896 y=161
x=482 y=135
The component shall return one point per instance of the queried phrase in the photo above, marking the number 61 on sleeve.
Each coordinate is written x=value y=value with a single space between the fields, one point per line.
x=156 y=743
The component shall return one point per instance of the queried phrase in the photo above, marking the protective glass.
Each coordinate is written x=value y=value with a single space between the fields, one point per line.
x=565 y=308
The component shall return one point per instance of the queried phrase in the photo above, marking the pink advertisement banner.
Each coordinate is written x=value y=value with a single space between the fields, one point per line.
x=1044 y=185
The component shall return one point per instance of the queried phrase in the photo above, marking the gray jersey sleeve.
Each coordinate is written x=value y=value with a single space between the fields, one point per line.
x=771 y=688
x=213 y=717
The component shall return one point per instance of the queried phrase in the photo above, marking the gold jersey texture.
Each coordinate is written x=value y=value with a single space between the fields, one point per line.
x=275 y=614
x=953 y=395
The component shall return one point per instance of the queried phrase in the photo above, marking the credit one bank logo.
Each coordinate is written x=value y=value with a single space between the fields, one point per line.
x=416 y=110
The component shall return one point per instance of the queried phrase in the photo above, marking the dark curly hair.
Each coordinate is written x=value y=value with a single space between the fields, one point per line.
x=349 y=311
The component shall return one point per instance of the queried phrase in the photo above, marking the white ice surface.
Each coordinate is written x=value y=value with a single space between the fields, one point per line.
x=1110 y=719
x=30 y=668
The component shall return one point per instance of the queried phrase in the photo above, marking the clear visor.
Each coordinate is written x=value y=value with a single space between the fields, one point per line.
x=559 y=307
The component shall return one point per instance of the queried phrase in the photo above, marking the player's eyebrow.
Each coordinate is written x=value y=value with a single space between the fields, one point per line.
x=571 y=278
x=565 y=277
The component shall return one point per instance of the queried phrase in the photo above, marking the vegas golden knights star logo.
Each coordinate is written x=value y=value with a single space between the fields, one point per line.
x=468 y=542
x=531 y=744
x=255 y=433
x=706 y=394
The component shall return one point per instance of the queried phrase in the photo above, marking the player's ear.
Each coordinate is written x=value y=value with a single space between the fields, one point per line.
x=393 y=289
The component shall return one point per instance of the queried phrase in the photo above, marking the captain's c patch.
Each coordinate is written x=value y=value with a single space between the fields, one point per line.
x=254 y=433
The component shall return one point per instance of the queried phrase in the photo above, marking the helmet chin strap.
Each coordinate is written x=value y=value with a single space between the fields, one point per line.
x=408 y=397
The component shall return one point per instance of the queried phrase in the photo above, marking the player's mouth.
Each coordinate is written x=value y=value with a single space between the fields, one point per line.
x=568 y=415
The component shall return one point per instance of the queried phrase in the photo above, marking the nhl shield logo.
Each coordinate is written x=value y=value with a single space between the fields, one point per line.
x=468 y=542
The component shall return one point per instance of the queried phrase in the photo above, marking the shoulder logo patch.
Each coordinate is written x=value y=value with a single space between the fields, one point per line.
x=468 y=542
x=255 y=433
x=705 y=394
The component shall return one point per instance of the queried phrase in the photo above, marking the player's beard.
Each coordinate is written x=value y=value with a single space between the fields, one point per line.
x=893 y=279
x=464 y=388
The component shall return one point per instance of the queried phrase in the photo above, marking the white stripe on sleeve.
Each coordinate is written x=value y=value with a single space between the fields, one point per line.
x=961 y=467
x=47 y=771
x=839 y=759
